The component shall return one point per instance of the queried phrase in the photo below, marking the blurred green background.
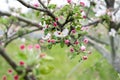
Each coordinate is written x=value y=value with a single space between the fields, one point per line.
x=95 y=68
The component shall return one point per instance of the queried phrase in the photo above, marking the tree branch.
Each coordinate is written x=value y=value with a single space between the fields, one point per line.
x=42 y=10
x=30 y=6
x=116 y=10
x=97 y=40
x=93 y=23
x=100 y=49
x=42 y=4
x=110 y=3
x=113 y=52
x=9 y=60
x=28 y=21
x=17 y=36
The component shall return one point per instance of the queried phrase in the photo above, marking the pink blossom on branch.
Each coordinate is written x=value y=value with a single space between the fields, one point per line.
x=82 y=48
x=71 y=50
x=76 y=42
x=56 y=19
x=82 y=4
x=53 y=41
x=85 y=40
x=48 y=40
x=69 y=1
x=67 y=42
x=84 y=57
x=55 y=24
x=36 y=5
x=73 y=31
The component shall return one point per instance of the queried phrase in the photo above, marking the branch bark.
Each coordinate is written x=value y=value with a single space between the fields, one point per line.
x=49 y=13
x=9 y=60
x=110 y=3
x=17 y=36
x=28 y=21
x=100 y=49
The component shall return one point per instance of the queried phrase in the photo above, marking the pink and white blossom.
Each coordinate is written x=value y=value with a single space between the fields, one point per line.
x=84 y=57
x=67 y=41
x=46 y=37
x=85 y=40
x=64 y=33
x=82 y=48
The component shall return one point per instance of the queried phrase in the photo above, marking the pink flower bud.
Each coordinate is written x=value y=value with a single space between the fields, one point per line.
x=4 y=77
x=49 y=40
x=76 y=42
x=73 y=31
x=82 y=48
x=84 y=17
x=67 y=42
x=54 y=24
x=84 y=57
x=41 y=41
x=22 y=47
x=71 y=50
x=36 y=5
x=30 y=47
x=69 y=1
x=21 y=63
x=84 y=28
x=37 y=46
x=16 y=77
x=10 y=71
x=85 y=40
x=47 y=26
x=82 y=4
x=52 y=41
x=56 y=19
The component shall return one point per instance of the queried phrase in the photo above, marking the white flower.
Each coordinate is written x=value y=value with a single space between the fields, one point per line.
x=43 y=25
x=14 y=14
x=46 y=37
x=23 y=40
x=64 y=33
x=100 y=8
x=83 y=13
x=112 y=32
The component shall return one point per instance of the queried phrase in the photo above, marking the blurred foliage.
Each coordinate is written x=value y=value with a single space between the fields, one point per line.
x=95 y=68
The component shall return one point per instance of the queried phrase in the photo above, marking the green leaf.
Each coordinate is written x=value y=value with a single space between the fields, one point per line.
x=49 y=46
x=48 y=58
x=37 y=13
x=20 y=33
x=62 y=43
x=46 y=69
x=46 y=31
x=20 y=68
x=22 y=56
x=73 y=55
x=52 y=6
x=4 y=21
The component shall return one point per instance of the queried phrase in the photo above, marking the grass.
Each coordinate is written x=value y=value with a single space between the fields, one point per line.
x=95 y=68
